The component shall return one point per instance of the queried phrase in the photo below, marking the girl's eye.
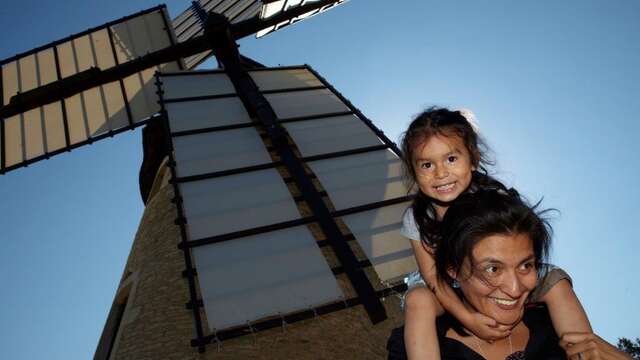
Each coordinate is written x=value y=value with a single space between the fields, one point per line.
x=425 y=165
x=452 y=158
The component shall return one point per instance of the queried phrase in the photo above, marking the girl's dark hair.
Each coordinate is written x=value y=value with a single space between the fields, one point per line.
x=441 y=121
x=474 y=216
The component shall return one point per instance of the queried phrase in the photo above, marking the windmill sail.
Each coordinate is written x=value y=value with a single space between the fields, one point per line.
x=62 y=96
x=190 y=23
x=247 y=232
x=92 y=114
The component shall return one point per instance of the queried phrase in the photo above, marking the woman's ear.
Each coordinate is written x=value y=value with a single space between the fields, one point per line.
x=455 y=283
x=452 y=274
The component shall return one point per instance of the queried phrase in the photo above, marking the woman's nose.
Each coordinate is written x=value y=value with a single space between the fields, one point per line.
x=512 y=285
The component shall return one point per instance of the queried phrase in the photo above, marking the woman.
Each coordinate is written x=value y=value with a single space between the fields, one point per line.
x=491 y=251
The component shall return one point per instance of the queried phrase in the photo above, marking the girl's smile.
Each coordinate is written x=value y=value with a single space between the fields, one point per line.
x=446 y=188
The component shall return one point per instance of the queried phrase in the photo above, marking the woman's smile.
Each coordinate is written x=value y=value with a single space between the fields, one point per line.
x=504 y=303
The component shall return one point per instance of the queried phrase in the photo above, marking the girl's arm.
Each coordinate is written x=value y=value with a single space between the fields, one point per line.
x=481 y=325
x=590 y=346
x=567 y=314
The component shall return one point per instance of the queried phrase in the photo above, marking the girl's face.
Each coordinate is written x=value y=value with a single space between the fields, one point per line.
x=443 y=168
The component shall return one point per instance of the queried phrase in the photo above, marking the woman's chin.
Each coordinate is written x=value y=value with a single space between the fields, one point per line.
x=509 y=317
x=503 y=314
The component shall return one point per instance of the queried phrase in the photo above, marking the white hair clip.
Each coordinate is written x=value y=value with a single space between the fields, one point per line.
x=471 y=118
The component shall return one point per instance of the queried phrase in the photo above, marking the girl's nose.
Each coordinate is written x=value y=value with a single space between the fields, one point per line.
x=441 y=172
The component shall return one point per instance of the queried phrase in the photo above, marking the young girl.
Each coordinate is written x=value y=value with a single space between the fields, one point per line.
x=444 y=157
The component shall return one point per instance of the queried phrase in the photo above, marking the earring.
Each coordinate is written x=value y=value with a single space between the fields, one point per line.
x=455 y=284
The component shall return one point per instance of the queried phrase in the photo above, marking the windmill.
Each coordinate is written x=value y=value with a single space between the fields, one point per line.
x=272 y=130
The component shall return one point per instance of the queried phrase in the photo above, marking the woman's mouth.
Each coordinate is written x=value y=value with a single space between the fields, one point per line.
x=505 y=304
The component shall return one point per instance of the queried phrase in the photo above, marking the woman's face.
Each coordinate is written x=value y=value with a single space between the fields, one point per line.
x=500 y=277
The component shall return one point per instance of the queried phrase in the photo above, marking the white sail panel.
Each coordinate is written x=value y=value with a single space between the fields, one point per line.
x=140 y=89
x=378 y=234
x=238 y=8
x=194 y=85
x=274 y=273
x=361 y=179
x=115 y=104
x=10 y=83
x=322 y=136
x=217 y=151
x=66 y=59
x=54 y=126
x=76 y=118
x=236 y=202
x=13 y=140
x=284 y=79
x=305 y=103
x=191 y=115
x=98 y=120
x=249 y=12
x=28 y=73
x=157 y=39
x=46 y=61
x=33 y=131
x=84 y=54
x=102 y=49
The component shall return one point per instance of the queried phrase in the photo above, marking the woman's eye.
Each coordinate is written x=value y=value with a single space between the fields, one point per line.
x=527 y=266
x=491 y=269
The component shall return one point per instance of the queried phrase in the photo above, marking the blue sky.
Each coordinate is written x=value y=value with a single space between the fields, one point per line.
x=554 y=86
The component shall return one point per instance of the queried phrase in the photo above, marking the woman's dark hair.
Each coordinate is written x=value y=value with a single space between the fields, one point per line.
x=474 y=216
x=441 y=121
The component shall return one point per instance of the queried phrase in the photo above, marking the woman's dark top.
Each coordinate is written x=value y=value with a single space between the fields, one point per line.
x=542 y=345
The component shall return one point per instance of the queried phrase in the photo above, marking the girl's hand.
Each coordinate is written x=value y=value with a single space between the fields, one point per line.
x=485 y=327
x=588 y=346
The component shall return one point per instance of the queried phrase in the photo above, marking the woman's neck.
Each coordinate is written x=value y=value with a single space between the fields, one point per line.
x=498 y=349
